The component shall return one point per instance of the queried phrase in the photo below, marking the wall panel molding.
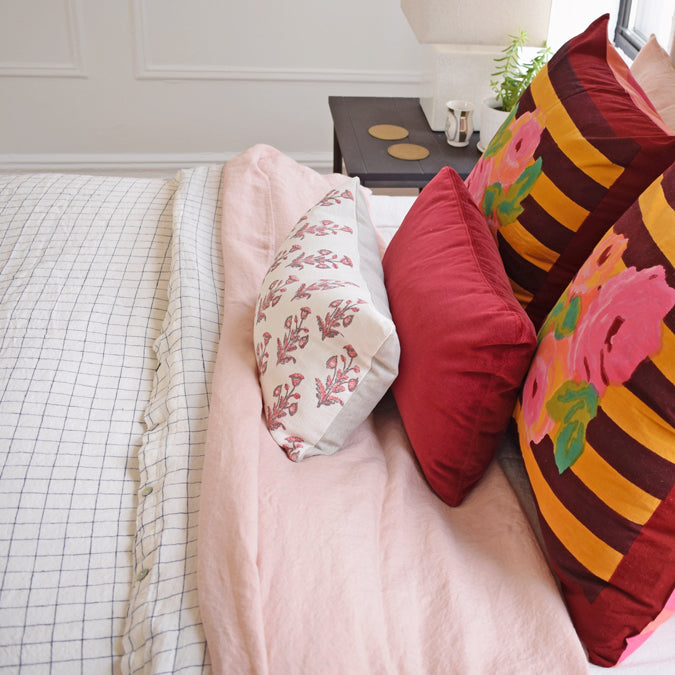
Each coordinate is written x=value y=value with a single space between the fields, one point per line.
x=174 y=72
x=146 y=69
x=73 y=67
x=141 y=163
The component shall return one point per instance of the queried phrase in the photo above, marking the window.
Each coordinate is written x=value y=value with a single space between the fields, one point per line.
x=638 y=19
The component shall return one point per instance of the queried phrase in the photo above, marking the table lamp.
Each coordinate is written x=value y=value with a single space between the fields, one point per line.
x=461 y=40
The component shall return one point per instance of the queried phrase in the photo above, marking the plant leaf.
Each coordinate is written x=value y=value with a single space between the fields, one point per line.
x=512 y=77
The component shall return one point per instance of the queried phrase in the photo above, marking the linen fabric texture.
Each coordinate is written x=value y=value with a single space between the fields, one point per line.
x=597 y=431
x=655 y=72
x=396 y=581
x=466 y=343
x=326 y=347
x=582 y=144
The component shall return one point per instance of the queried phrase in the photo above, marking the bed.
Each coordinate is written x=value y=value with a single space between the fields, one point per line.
x=111 y=311
x=151 y=520
x=112 y=302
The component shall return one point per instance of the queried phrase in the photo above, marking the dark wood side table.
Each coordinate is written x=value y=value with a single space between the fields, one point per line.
x=367 y=157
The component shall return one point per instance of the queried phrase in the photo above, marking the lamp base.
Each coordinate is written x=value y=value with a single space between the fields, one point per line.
x=452 y=72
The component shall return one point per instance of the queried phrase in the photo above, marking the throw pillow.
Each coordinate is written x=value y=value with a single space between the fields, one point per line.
x=466 y=343
x=597 y=430
x=325 y=344
x=655 y=72
x=581 y=145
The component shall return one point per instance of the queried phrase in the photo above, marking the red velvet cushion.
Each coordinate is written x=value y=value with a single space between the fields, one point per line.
x=466 y=342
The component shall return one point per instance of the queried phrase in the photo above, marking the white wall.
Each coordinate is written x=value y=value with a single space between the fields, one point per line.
x=88 y=84
x=96 y=82
x=570 y=17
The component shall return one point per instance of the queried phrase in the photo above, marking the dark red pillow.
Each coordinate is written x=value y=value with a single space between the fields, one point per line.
x=466 y=343
x=582 y=145
x=597 y=431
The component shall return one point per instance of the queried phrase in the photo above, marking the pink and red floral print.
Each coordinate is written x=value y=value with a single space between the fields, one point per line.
x=316 y=328
x=507 y=170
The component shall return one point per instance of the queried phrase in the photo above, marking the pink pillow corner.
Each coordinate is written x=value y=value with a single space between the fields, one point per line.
x=654 y=71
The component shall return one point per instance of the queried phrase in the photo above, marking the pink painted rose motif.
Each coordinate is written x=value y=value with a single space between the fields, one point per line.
x=600 y=263
x=543 y=378
x=479 y=179
x=606 y=323
x=507 y=172
x=514 y=157
x=621 y=327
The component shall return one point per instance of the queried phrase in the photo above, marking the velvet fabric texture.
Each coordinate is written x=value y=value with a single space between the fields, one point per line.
x=465 y=341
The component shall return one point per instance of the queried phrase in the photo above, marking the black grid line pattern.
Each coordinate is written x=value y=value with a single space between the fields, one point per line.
x=84 y=269
x=164 y=632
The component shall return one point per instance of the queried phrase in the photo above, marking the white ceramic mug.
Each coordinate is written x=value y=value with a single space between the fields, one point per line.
x=459 y=123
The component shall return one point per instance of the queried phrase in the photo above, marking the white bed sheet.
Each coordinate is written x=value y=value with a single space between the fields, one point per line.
x=94 y=272
x=387 y=212
x=164 y=632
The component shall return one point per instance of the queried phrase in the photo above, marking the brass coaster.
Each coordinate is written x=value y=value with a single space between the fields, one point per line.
x=409 y=151
x=388 y=132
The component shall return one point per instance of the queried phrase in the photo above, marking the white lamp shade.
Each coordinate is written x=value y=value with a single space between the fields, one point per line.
x=477 y=22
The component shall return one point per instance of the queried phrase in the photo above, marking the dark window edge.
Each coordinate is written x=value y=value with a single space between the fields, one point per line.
x=626 y=39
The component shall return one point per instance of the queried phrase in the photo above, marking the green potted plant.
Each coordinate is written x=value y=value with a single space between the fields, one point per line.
x=510 y=80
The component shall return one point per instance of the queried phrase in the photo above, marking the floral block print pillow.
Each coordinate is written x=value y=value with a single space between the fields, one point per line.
x=326 y=346
x=597 y=430
x=582 y=144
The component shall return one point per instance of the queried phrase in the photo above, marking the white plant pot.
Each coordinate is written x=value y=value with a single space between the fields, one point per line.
x=491 y=118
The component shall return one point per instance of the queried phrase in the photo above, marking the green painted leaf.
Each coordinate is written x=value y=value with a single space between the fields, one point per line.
x=563 y=318
x=567 y=322
x=569 y=443
x=573 y=406
x=508 y=212
x=523 y=186
x=507 y=205
x=502 y=137
x=551 y=318
x=492 y=197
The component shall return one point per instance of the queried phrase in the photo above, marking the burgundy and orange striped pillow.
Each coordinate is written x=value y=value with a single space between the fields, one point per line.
x=597 y=430
x=581 y=146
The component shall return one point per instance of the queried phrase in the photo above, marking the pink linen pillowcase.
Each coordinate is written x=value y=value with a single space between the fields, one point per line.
x=654 y=71
x=466 y=343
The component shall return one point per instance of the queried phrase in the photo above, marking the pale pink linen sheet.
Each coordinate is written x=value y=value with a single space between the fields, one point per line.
x=349 y=563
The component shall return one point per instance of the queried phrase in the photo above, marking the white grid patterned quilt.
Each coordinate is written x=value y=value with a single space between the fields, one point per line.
x=109 y=304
